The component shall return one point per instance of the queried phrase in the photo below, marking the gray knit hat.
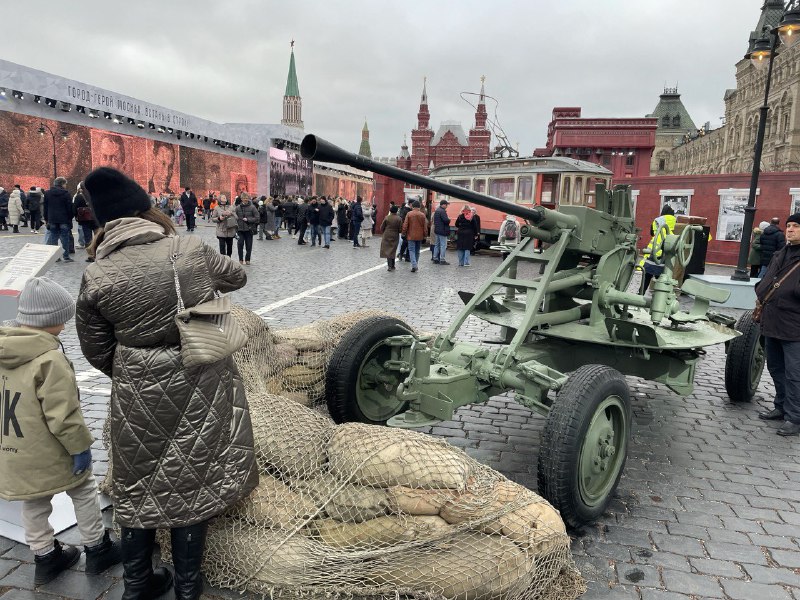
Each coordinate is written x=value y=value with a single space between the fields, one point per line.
x=44 y=303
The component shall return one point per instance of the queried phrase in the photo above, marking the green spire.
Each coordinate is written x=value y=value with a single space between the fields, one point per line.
x=292 y=89
x=364 y=149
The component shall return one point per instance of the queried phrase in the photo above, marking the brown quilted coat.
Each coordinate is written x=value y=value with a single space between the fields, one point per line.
x=182 y=447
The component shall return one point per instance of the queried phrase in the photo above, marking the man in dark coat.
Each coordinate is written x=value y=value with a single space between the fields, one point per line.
x=355 y=221
x=58 y=216
x=402 y=212
x=780 y=326
x=3 y=210
x=35 y=207
x=772 y=240
x=342 y=222
x=441 y=228
x=189 y=206
x=301 y=222
x=326 y=215
x=290 y=215
x=313 y=220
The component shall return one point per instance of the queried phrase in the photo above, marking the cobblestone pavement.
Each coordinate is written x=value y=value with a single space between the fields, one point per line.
x=708 y=506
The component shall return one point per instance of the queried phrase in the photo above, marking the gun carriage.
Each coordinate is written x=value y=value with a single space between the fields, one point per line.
x=570 y=332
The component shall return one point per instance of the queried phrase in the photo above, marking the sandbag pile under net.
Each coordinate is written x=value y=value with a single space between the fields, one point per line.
x=362 y=511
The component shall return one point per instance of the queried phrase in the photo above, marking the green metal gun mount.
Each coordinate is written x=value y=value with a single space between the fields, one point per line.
x=569 y=333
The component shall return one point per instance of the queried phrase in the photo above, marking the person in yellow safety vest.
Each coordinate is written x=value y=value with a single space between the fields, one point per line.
x=651 y=269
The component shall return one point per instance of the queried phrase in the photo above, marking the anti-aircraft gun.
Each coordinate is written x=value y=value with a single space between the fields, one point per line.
x=570 y=333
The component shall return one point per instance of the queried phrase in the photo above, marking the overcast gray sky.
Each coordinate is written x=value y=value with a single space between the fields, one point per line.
x=227 y=60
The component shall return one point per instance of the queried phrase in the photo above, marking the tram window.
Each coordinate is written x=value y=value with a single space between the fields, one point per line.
x=579 y=190
x=480 y=186
x=565 y=197
x=548 y=183
x=464 y=183
x=502 y=187
x=525 y=191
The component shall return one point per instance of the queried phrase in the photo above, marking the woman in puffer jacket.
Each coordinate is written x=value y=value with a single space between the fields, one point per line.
x=182 y=448
x=15 y=210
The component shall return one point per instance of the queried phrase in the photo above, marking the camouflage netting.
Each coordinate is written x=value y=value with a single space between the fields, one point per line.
x=363 y=511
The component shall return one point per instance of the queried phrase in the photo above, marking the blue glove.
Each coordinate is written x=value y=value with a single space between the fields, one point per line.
x=81 y=462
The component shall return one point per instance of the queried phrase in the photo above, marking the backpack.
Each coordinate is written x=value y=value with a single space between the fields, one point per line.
x=510 y=232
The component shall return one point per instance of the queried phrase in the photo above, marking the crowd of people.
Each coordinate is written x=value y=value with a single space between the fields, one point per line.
x=313 y=220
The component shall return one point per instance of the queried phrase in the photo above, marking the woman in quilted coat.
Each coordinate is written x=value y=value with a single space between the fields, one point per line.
x=224 y=217
x=182 y=447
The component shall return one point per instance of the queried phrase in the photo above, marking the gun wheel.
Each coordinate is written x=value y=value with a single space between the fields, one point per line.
x=745 y=361
x=357 y=387
x=585 y=443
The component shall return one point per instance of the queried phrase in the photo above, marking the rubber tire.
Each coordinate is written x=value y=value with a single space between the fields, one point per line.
x=563 y=436
x=342 y=375
x=738 y=372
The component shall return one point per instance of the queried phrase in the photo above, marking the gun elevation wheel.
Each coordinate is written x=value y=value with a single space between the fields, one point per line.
x=585 y=443
x=745 y=361
x=357 y=386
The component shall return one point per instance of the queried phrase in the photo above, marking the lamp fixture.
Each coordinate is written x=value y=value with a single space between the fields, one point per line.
x=117 y=119
x=151 y=126
x=789 y=28
x=107 y=115
x=93 y=114
x=37 y=99
x=18 y=95
x=140 y=124
x=160 y=129
x=2 y=91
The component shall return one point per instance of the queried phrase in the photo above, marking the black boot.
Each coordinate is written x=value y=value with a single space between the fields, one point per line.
x=141 y=582
x=50 y=565
x=102 y=556
x=188 y=544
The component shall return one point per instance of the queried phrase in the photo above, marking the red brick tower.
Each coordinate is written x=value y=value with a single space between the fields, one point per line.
x=479 y=136
x=421 y=136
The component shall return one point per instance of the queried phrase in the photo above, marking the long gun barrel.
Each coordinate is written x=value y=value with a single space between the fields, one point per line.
x=316 y=148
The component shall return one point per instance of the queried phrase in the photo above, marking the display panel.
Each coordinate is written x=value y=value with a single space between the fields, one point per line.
x=160 y=167
x=289 y=174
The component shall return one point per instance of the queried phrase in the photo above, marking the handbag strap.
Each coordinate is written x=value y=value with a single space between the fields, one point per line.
x=173 y=258
x=778 y=283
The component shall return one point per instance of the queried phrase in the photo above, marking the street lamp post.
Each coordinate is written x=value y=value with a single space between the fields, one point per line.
x=764 y=51
x=42 y=129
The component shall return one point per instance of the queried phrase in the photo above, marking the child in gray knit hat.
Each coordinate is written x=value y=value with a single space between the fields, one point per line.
x=46 y=447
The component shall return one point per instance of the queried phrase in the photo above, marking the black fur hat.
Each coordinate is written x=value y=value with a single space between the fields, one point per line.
x=113 y=195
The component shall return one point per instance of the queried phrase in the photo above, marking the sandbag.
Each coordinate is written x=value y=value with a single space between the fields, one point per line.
x=469 y=566
x=379 y=532
x=387 y=457
x=305 y=337
x=289 y=438
x=273 y=504
x=414 y=501
x=345 y=501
